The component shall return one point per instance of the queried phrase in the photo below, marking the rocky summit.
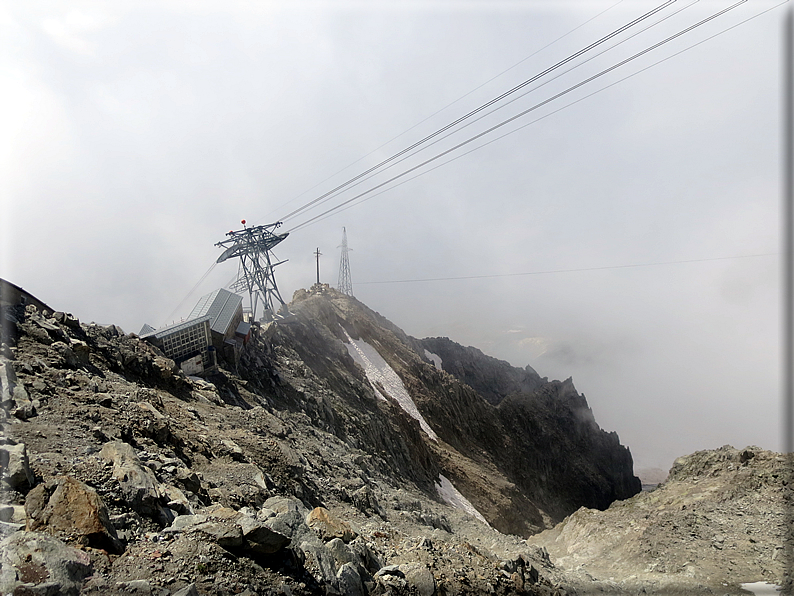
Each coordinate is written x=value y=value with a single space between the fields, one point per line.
x=334 y=455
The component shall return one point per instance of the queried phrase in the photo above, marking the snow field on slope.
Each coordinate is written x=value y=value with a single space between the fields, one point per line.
x=451 y=496
x=379 y=371
x=434 y=358
x=762 y=588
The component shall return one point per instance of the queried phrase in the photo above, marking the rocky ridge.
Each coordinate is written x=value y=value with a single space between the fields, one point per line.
x=294 y=474
x=719 y=520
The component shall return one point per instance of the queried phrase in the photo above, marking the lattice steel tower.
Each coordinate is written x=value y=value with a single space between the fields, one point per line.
x=345 y=284
x=254 y=247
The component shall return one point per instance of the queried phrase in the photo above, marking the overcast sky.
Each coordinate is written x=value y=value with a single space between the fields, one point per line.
x=133 y=136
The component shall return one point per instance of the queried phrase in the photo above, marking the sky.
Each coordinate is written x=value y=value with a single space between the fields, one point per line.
x=624 y=233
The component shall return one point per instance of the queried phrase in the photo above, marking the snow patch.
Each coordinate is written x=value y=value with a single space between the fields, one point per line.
x=434 y=358
x=379 y=371
x=762 y=588
x=451 y=496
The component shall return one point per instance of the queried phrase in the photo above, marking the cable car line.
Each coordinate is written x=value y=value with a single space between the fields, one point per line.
x=577 y=270
x=524 y=112
x=484 y=106
x=193 y=289
x=604 y=88
x=333 y=194
x=481 y=85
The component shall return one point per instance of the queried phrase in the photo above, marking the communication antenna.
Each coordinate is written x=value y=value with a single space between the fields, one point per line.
x=317 y=255
x=345 y=284
x=254 y=247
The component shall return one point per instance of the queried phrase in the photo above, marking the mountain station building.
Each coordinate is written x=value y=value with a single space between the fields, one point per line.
x=214 y=325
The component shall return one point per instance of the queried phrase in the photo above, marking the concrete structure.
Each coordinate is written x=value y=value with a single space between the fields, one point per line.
x=215 y=325
x=183 y=341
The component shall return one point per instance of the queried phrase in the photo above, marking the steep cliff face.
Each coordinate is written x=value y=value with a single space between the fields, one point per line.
x=552 y=446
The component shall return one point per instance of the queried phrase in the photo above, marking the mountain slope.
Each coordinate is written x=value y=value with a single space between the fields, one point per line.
x=334 y=458
x=542 y=437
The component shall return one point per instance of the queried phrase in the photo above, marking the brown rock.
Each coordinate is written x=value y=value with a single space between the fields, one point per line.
x=67 y=505
x=328 y=526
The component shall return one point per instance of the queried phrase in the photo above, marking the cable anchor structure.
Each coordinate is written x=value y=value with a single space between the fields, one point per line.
x=253 y=246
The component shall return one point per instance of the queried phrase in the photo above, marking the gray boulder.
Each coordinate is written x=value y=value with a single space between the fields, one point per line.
x=285 y=505
x=319 y=562
x=14 y=514
x=188 y=590
x=8 y=380
x=341 y=552
x=16 y=466
x=81 y=351
x=184 y=523
x=34 y=563
x=391 y=577
x=419 y=577
x=261 y=539
x=188 y=479
x=225 y=535
x=292 y=525
x=349 y=581
x=139 y=486
x=368 y=559
x=176 y=499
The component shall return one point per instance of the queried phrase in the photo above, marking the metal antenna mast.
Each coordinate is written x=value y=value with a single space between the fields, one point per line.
x=345 y=284
x=318 y=254
x=253 y=246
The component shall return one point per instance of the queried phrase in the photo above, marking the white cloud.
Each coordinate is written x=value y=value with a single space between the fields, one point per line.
x=73 y=31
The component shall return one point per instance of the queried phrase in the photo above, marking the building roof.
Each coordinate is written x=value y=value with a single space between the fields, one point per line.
x=221 y=306
x=146 y=330
x=12 y=294
x=175 y=328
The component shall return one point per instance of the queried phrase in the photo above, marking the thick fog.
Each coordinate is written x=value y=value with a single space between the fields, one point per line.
x=135 y=135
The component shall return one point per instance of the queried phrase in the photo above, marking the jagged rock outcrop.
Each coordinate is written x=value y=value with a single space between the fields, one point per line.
x=491 y=378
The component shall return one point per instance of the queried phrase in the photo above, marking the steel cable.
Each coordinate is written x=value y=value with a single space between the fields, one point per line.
x=482 y=107
x=522 y=113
